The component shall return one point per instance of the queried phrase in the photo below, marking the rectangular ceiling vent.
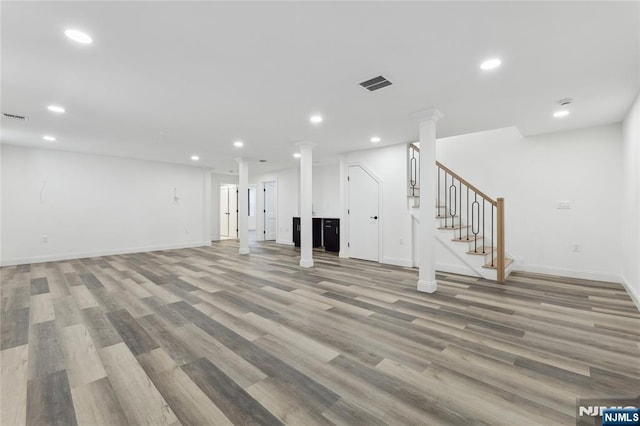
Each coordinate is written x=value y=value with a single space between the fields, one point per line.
x=14 y=116
x=375 y=83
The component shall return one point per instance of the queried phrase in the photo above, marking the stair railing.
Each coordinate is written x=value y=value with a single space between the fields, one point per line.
x=461 y=198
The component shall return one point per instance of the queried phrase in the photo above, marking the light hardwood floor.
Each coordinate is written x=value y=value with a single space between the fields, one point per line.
x=206 y=336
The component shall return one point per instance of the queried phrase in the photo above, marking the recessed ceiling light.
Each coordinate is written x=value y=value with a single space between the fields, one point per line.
x=195 y=158
x=56 y=108
x=49 y=138
x=316 y=119
x=297 y=155
x=78 y=36
x=561 y=113
x=238 y=144
x=490 y=64
x=375 y=139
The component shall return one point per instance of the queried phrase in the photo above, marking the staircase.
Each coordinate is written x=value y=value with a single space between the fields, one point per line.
x=470 y=224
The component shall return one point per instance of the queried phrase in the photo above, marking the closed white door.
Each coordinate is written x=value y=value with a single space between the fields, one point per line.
x=270 y=210
x=224 y=211
x=233 y=211
x=363 y=215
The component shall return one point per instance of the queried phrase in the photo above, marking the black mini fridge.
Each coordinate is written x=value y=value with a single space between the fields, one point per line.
x=331 y=228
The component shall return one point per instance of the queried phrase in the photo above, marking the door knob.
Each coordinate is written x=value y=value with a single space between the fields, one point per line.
x=374 y=217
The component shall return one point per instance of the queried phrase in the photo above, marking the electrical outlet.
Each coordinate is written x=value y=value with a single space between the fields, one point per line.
x=45 y=238
x=401 y=241
x=564 y=205
x=576 y=248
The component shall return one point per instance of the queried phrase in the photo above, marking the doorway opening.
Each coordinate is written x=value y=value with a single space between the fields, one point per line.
x=270 y=210
x=228 y=212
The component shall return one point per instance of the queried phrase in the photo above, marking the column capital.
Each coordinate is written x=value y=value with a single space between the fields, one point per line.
x=305 y=144
x=240 y=159
x=431 y=114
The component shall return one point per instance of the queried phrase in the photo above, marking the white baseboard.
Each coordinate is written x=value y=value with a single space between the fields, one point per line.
x=98 y=253
x=408 y=263
x=633 y=293
x=286 y=243
x=455 y=269
x=571 y=273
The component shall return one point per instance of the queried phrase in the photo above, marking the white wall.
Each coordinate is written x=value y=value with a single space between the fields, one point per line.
x=326 y=191
x=288 y=202
x=216 y=181
x=252 y=199
x=390 y=165
x=90 y=205
x=532 y=174
x=631 y=181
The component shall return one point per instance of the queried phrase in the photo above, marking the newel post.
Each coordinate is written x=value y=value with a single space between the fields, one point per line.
x=501 y=248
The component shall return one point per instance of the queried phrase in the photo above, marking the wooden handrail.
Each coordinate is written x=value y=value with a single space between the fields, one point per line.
x=476 y=190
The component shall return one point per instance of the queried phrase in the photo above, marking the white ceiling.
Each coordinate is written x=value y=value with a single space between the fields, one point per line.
x=165 y=80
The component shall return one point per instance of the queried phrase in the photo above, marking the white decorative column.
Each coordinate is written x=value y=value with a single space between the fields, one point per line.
x=306 y=200
x=243 y=205
x=428 y=177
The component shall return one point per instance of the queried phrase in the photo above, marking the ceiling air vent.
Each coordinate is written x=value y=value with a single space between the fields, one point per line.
x=375 y=83
x=14 y=116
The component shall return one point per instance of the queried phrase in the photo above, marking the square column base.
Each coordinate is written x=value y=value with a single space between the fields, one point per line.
x=427 y=286
x=243 y=251
x=306 y=263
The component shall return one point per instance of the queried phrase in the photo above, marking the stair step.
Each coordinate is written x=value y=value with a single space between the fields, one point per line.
x=470 y=239
x=487 y=250
x=507 y=262
x=454 y=227
x=446 y=217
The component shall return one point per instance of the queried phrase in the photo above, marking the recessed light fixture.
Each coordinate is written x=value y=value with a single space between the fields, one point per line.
x=490 y=64
x=49 y=138
x=316 y=119
x=238 y=144
x=78 y=36
x=375 y=139
x=195 y=157
x=561 y=113
x=56 y=108
x=297 y=155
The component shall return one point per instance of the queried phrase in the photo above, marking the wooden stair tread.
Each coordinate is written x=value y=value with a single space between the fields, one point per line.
x=487 y=250
x=464 y=239
x=507 y=262
x=453 y=228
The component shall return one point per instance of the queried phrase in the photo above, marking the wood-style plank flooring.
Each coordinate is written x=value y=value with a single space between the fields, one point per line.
x=206 y=336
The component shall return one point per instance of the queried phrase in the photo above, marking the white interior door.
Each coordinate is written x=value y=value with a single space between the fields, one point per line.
x=233 y=210
x=363 y=215
x=270 y=210
x=224 y=211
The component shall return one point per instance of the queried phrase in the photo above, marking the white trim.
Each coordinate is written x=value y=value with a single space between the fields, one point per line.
x=286 y=243
x=454 y=269
x=111 y=252
x=570 y=273
x=635 y=297
x=397 y=261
